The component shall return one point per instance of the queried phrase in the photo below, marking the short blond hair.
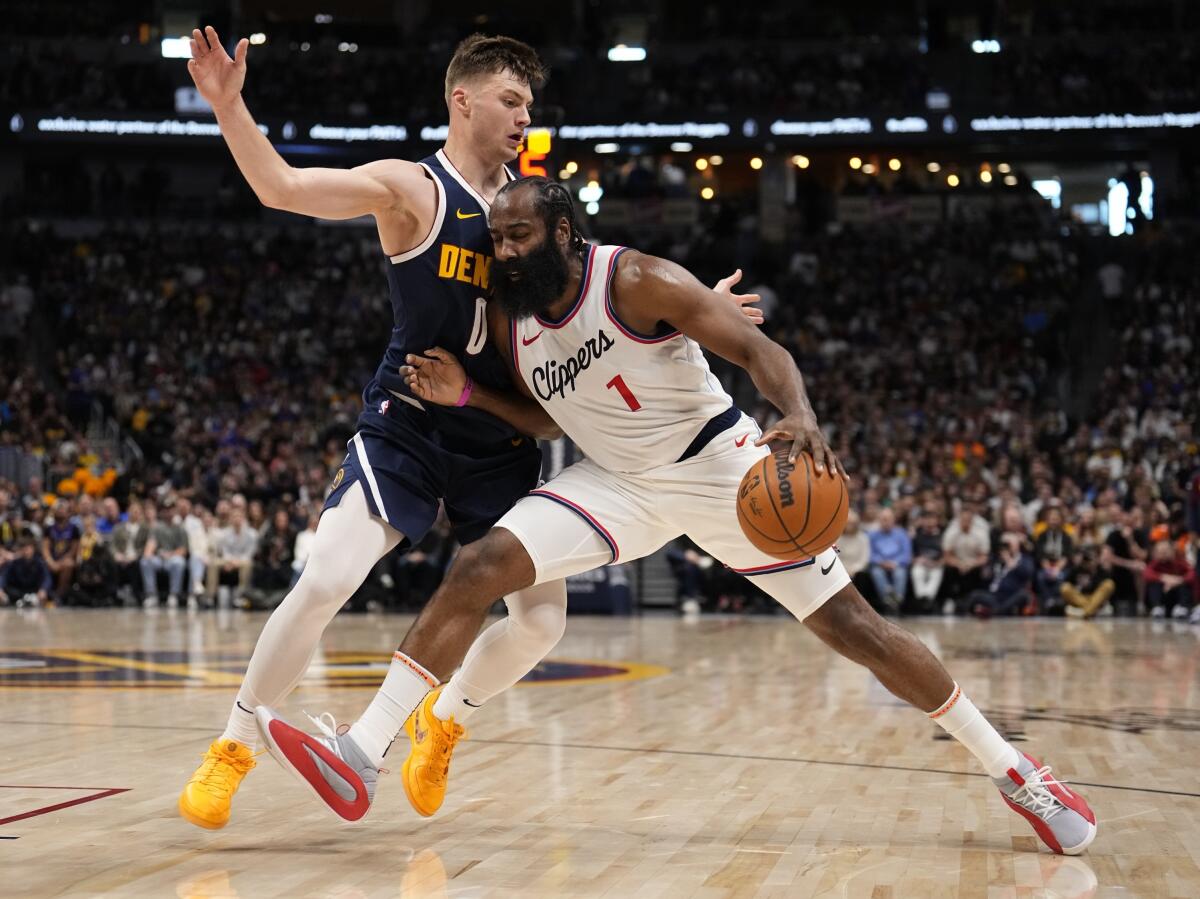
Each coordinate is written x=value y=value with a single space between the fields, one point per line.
x=483 y=55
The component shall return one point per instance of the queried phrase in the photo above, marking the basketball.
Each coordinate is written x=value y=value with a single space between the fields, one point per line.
x=788 y=510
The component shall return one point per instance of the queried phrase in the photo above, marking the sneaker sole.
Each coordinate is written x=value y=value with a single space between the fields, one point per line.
x=264 y=719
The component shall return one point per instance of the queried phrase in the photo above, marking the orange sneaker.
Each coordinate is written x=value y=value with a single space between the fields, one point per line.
x=206 y=799
x=428 y=763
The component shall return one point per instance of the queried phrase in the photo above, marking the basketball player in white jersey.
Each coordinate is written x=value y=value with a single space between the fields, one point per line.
x=407 y=456
x=609 y=341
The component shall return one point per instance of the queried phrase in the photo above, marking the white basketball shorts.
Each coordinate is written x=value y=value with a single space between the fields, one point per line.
x=588 y=517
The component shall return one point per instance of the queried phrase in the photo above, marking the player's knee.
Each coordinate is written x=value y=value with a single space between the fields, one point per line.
x=543 y=624
x=322 y=584
x=490 y=568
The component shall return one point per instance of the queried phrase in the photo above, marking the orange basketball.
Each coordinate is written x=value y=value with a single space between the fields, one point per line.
x=789 y=511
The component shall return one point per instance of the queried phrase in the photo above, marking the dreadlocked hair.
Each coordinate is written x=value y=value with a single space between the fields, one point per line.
x=553 y=202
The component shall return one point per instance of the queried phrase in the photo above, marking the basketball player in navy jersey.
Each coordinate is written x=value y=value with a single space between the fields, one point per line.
x=608 y=340
x=475 y=456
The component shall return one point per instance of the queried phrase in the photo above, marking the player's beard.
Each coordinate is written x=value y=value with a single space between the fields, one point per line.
x=530 y=284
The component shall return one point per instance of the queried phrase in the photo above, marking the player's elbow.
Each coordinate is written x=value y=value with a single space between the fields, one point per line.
x=279 y=194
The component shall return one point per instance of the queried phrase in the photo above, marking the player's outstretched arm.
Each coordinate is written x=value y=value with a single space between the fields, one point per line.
x=647 y=289
x=321 y=192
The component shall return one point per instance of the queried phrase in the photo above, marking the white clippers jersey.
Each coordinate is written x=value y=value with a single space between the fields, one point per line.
x=631 y=401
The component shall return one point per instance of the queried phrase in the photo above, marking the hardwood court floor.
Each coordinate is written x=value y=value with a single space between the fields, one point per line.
x=750 y=762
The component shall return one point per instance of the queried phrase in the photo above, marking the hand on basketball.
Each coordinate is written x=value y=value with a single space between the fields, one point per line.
x=745 y=300
x=218 y=78
x=805 y=434
x=436 y=376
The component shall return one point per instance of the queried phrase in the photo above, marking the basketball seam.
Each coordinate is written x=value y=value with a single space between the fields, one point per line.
x=808 y=488
x=841 y=499
x=745 y=519
x=771 y=496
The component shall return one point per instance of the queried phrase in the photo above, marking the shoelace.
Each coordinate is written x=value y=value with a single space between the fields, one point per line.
x=1035 y=795
x=451 y=732
x=213 y=781
x=328 y=726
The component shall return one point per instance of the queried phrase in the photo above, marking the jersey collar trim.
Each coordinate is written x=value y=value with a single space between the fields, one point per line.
x=454 y=173
x=584 y=280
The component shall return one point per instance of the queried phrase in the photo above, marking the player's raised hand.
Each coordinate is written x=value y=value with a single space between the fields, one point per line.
x=805 y=434
x=745 y=300
x=437 y=376
x=218 y=78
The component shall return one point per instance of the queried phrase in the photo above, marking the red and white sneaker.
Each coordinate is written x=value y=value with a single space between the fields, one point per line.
x=331 y=765
x=1059 y=815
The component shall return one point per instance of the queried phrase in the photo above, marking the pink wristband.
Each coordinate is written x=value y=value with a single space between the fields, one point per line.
x=466 y=394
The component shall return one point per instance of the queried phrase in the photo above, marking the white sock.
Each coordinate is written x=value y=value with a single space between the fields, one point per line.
x=961 y=720
x=242 y=727
x=402 y=691
x=455 y=702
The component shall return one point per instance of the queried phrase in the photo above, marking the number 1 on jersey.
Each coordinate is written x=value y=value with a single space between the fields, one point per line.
x=626 y=394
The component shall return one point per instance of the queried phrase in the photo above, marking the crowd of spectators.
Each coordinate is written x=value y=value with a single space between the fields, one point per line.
x=949 y=363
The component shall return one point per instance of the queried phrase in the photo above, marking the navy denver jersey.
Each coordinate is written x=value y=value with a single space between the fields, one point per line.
x=439 y=297
x=412 y=457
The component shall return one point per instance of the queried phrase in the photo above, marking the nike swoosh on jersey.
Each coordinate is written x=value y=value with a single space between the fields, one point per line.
x=467 y=215
x=526 y=341
x=741 y=441
x=829 y=569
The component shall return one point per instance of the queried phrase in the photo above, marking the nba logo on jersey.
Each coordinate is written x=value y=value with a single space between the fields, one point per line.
x=383 y=407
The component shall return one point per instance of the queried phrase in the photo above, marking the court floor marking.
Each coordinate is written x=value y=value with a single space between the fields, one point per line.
x=104 y=793
x=646 y=751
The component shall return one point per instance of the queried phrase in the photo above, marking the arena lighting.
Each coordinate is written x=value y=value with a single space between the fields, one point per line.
x=985 y=176
x=1118 y=204
x=1050 y=189
x=621 y=53
x=933 y=168
x=1004 y=168
x=855 y=163
x=592 y=208
x=563 y=174
x=345 y=47
x=1010 y=180
x=681 y=146
x=258 y=38
x=356 y=133
x=644 y=130
x=911 y=125
x=1146 y=198
x=122 y=127
x=869 y=168
x=952 y=179
x=701 y=164
x=988 y=46
x=894 y=164
x=756 y=163
x=707 y=193
x=176 y=48
x=716 y=160
x=1102 y=122
x=592 y=193
x=851 y=125
x=607 y=148
x=322 y=18
x=572 y=167
x=801 y=162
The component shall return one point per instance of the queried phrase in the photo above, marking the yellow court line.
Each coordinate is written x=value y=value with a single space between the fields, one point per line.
x=77 y=669
x=216 y=678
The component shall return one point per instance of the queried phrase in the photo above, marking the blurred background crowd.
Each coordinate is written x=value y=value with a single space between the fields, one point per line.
x=1011 y=385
